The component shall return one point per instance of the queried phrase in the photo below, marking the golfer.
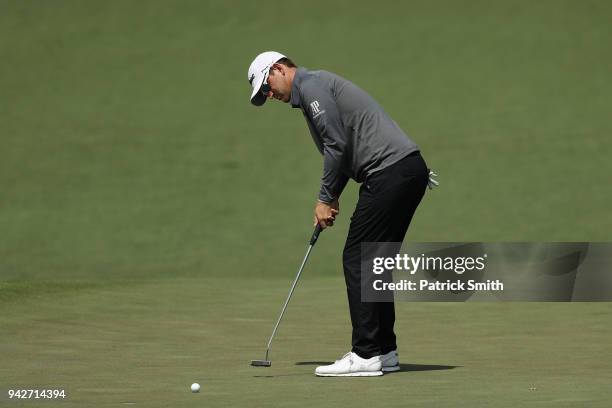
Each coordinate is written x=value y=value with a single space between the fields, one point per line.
x=358 y=141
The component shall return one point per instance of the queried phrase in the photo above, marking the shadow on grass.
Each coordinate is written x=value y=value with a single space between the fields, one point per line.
x=283 y=375
x=423 y=367
x=403 y=367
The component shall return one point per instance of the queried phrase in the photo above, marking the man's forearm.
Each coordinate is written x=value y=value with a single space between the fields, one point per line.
x=330 y=192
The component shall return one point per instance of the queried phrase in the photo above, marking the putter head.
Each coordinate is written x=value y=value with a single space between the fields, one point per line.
x=261 y=363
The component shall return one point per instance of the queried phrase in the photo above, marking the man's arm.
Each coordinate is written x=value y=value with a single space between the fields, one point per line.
x=324 y=117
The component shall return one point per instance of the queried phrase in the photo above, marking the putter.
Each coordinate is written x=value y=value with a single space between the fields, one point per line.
x=313 y=240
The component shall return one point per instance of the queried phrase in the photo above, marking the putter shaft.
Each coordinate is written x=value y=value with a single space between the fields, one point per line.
x=295 y=281
x=313 y=240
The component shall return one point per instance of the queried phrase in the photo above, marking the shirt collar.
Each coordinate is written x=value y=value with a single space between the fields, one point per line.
x=295 y=93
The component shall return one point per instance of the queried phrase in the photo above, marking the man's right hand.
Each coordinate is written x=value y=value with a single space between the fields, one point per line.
x=325 y=213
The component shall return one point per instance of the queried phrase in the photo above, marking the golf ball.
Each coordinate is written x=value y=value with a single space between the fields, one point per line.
x=195 y=387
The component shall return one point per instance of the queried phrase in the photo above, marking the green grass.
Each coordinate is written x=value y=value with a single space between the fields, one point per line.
x=147 y=343
x=151 y=219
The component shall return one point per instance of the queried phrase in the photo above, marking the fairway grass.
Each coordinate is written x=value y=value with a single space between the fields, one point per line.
x=146 y=343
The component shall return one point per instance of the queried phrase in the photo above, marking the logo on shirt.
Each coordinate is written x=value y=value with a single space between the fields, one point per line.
x=315 y=109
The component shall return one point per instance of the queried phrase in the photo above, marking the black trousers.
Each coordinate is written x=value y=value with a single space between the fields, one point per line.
x=387 y=201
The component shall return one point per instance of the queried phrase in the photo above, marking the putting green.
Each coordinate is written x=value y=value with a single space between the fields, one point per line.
x=146 y=343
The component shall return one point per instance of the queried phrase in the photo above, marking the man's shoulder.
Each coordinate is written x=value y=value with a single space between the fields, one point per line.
x=318 y=76
x=317 y=81
x=317 y=86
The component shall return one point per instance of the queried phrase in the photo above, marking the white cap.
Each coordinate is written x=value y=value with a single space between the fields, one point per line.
x=258 y=74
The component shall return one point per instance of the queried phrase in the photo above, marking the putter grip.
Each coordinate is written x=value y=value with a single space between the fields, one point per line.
x=315 y=234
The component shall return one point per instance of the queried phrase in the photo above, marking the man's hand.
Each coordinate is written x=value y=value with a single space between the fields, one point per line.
x=325 y=213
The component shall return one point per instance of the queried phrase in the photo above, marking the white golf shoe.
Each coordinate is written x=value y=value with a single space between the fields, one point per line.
x=351 y=365
x=390 y=362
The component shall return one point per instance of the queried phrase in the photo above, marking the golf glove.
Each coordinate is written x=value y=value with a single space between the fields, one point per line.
x=432 y=182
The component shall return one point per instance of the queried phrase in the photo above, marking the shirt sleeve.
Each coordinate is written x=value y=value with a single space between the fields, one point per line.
x=323 y=115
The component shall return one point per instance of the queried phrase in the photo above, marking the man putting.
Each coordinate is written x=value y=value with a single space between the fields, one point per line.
x=358 y=140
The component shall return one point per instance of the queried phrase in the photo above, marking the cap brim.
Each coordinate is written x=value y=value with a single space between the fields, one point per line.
x=257 y=98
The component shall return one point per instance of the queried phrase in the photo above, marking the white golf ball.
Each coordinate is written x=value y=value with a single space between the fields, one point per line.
x=195 y=387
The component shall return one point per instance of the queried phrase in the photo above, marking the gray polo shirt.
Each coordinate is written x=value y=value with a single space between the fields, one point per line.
x=351 y=130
